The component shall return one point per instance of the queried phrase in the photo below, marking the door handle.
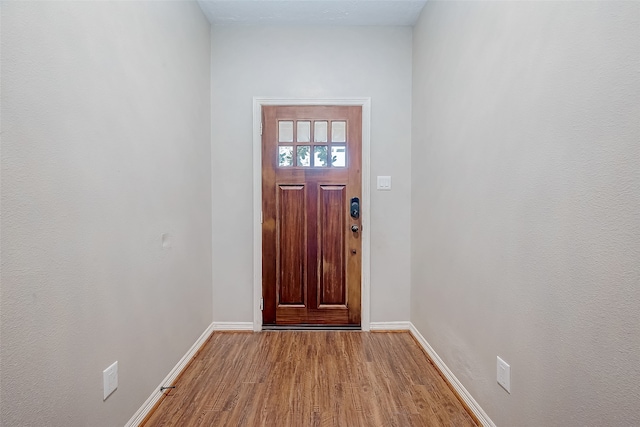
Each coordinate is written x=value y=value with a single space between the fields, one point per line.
x=355 y=228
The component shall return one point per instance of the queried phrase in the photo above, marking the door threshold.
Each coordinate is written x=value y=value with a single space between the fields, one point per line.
x=311 y=327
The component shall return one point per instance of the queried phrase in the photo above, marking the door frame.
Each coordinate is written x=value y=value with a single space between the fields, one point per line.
x=365 y=103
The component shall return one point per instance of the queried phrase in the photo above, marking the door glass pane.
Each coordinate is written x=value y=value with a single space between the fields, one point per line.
x=285 y=155
x=285 y=131
x=339 y=131
x=320 y=153
x=304 y=131
x=339 y=156
x=304 y=155
x=320 y=131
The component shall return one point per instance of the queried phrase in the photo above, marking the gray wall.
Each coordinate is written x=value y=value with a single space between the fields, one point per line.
x=105 y=147
x=526 y=205
x=316 y=62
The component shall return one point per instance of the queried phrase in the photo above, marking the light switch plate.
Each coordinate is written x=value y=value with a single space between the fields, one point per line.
x=384 y=183
x=110 y=379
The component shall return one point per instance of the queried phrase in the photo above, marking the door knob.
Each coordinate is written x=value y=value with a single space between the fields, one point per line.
x=355 y=228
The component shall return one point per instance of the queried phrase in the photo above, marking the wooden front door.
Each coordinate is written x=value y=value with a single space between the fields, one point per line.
x=311 y=242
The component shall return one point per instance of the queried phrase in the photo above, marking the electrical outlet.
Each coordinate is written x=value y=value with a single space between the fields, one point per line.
x=110 y=379
x=504 y=375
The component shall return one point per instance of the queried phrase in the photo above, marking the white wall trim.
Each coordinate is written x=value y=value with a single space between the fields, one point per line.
x=365 y=103
x=457 y=385
x=391 y=326
x=173 y=374
x=233 y=326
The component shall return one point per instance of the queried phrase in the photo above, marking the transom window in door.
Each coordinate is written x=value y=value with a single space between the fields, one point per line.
x=312 y=144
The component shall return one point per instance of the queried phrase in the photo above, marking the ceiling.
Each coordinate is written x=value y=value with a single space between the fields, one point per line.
x=312 y=12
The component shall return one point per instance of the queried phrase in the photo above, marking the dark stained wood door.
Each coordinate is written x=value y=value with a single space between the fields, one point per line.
x=311 y=255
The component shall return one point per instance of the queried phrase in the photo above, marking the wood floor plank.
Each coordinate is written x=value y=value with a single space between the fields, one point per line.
x=310 y=378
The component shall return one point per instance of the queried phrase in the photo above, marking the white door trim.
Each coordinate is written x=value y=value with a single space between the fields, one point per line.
x=365 y=103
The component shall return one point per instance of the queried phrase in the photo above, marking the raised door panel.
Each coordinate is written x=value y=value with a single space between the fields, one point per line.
x=291 y=245
x=332 y=225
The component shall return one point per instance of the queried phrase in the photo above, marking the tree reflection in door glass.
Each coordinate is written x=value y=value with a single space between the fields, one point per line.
x=285 y=157
x=338 y=156
x=304 y=159
x=320 y=153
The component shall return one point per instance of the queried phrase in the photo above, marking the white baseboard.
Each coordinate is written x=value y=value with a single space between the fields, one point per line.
x=390 y=326
x=155 y=396
x=233 y=326
x=457 y=385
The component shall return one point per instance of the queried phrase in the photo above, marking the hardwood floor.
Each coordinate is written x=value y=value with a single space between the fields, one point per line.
x=310 y=378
